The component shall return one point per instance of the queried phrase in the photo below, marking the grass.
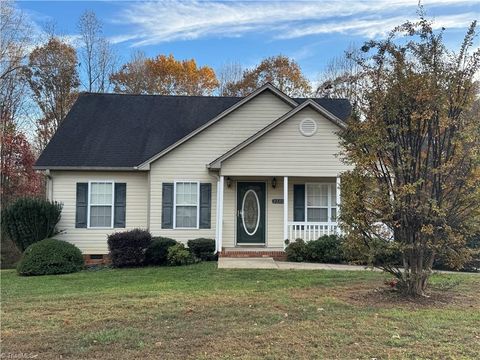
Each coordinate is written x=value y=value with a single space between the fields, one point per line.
x=200 y=312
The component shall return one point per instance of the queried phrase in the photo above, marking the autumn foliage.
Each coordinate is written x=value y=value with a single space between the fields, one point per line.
x=415 y=147
x=164 y=75
x=17 y=159
x=53 y=79
x=283 y=72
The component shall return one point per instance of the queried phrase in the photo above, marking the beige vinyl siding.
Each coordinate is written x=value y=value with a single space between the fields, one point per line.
x=285 y=151
x=189 y=160
x=94 y=241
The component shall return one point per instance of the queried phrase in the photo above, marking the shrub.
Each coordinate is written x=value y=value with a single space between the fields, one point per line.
x=326 y=249
x=179 y=255
x=49 y=257
x=203 y=249
x=29 y=220
x=377 y=253
x=157 y=252
x=471 y=264
x=128 y=248
x=296 y=251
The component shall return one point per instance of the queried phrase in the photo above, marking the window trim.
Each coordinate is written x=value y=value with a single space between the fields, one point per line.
x=329 y=203
x=89 y=204
x=175 y=205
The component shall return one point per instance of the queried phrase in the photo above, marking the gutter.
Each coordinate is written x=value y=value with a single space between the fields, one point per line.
x=89 y=168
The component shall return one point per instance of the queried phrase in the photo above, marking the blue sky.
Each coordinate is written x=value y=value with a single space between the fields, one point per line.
x=215 y=33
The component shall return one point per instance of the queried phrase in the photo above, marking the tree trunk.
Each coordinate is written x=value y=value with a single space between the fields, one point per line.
x=416 y=281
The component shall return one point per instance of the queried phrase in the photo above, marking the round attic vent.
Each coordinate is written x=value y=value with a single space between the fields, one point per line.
x=308 y=127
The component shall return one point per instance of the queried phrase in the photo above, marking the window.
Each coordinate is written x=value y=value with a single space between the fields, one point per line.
x=186 y=204
x=321 y=202
x=100 y=204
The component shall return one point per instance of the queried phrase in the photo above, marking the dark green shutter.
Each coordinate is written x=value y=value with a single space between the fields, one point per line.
x=120 y=205
x=167 y=206
x=81 y=205
x=205 y=205
x=298 y=202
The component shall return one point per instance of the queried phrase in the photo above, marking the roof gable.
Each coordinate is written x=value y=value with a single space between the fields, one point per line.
x=216 y=164
x=267 y=87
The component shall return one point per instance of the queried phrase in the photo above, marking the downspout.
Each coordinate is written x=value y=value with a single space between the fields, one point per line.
x=49 y=185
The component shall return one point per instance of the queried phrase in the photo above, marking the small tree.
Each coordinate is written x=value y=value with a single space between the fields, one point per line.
x=415 y=144
x=29 y=220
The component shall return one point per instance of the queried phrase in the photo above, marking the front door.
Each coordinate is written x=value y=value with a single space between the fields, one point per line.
x=250 y=213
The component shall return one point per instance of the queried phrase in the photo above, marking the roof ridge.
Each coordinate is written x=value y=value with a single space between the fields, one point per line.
x=161 y=95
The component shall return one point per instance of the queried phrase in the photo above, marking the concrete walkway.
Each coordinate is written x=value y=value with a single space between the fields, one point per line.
x=269 y=263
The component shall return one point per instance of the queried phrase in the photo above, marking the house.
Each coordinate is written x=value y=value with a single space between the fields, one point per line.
x=249 y=172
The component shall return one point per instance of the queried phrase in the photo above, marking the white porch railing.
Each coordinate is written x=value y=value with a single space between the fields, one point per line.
x=310 y=230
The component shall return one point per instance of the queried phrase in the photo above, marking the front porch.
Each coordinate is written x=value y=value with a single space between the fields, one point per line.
x=271 y=210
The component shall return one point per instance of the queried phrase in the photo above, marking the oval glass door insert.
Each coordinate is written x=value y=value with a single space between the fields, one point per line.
x=250 y=212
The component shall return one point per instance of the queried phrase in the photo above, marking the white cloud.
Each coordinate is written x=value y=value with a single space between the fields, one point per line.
x=371 y=28
x=162 y=21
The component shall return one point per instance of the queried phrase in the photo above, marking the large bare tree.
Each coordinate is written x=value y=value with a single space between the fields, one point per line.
x=14 y=45
x=230 y=73
x=96 y=55
x=340 y=78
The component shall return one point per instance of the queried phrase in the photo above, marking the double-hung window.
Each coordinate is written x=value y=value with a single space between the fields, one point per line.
x=186 y=213
x=100 y=204
x=320 y=204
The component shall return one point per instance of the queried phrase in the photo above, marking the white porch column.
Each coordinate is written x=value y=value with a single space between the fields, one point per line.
x=338 y=200
x=220 y=215
x=285 y=208
x=217 y=212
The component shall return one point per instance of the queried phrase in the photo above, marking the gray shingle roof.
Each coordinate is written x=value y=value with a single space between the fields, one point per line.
x=122 y=131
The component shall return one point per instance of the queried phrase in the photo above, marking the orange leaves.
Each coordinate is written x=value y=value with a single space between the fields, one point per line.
x=165 y=75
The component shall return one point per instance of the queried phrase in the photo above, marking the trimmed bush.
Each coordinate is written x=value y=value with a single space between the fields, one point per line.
x=157 y=252
x=49 y=257
x=127 y=248
x=179 y=255
x=203 y=249
x=297 y=251
x=29 y=220
x=326 y=249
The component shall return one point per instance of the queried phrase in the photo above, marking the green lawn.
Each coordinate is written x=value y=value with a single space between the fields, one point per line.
x=201 y=312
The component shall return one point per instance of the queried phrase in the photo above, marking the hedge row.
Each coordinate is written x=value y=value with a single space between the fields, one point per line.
x=138 y=248
x=327 y=249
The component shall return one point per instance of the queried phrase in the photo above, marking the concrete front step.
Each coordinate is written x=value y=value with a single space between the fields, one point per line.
x=253 y=252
